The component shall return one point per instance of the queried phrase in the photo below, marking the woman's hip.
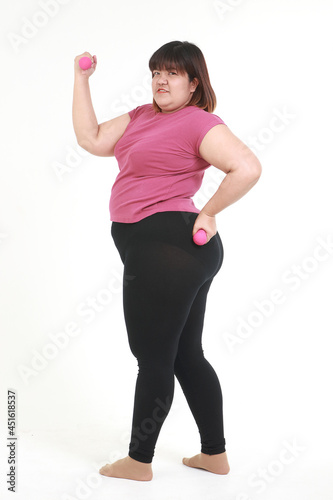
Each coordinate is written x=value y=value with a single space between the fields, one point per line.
x=172 y=228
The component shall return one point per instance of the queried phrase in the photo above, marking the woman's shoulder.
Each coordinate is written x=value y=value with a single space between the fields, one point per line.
x=202 y=115
x=143 y=109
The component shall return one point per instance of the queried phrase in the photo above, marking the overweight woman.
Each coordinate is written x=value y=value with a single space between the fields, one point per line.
x=163 y=149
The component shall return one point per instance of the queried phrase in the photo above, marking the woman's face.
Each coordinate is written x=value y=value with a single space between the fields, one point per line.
x=172 y=90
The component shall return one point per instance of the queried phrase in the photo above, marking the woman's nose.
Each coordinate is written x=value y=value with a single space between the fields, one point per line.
x=162 y=79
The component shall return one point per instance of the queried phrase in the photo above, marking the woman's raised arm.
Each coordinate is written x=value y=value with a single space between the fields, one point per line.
x=97 y=139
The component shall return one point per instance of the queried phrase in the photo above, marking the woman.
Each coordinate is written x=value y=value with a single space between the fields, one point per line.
x=163 y=150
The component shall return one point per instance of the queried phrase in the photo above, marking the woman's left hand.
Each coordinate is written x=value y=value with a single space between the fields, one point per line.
x=206 y=222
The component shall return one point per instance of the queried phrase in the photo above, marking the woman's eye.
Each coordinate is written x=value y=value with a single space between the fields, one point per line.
x=170 y=73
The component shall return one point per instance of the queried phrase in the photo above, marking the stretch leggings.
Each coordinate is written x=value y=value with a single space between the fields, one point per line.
x=165 y=284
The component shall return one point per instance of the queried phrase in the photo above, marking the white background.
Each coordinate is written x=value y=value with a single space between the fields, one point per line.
x=74 y=402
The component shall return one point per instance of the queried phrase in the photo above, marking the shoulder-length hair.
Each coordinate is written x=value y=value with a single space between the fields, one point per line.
x=187 y=58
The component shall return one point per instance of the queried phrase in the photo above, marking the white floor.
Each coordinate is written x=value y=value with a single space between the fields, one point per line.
x=64 y=466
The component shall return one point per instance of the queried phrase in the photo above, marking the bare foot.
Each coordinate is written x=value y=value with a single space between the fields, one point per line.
x=213 y=463
x=128 y=468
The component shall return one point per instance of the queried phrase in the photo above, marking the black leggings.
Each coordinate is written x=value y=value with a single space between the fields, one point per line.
x=165 y=285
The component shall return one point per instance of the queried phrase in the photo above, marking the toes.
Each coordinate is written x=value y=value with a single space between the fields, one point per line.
x=104 y=469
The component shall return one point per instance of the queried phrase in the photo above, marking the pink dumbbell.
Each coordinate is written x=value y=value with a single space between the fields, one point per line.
x=200 y=237
x=85 y=62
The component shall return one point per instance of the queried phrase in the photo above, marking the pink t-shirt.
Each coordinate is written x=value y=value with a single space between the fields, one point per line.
x=159 y=162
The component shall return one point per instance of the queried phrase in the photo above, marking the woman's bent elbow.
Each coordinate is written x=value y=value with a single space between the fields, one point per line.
x=87 y=145
x=257 y=170
x=252 y=170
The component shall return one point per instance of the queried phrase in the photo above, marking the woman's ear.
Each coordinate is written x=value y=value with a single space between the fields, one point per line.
x=194 y=84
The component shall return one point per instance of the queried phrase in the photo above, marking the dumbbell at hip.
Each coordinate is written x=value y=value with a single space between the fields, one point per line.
x=200 y=237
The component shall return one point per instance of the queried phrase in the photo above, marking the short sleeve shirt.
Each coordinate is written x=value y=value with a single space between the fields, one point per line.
x=160 y=167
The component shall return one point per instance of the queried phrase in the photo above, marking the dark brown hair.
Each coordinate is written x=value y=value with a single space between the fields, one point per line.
x=186 y=57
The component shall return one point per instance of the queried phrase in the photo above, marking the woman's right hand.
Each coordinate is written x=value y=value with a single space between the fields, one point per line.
x=85 y=72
